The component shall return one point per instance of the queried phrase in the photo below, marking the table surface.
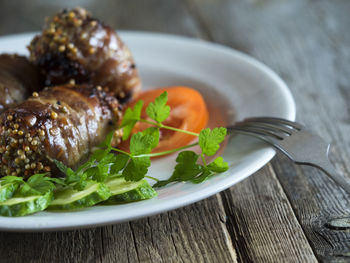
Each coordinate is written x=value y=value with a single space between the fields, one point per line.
x=281 y=213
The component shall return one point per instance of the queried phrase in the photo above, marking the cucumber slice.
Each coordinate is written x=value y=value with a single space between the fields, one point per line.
x=7 y=190
x=21 y=206
x=125 y=191
x=68 y=199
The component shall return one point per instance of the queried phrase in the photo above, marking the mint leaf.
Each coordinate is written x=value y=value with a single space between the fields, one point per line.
x=136 y=169
x=154 y=132
x=209 y=140
x=158 y=110
x=218 y=165
x=131 y=116
x=120 y=162
x=141 y=143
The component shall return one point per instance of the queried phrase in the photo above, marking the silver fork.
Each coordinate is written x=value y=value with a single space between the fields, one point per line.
x=291 y=138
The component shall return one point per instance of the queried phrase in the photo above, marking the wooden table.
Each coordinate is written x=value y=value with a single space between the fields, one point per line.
x=283 y=212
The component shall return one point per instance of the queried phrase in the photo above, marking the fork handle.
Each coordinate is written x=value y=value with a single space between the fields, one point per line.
x=328 y=168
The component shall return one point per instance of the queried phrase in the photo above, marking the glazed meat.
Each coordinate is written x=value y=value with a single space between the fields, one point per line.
x=76 y=47
x=63 y=123
x=18 y=79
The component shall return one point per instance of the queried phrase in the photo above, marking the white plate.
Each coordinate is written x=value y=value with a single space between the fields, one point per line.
x=234 y=85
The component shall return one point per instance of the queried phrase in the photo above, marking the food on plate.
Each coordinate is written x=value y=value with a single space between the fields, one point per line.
x=59 y=123
x=128 y=191
x=18 y=79
x=77 y=47
x=188 y=112
x=57 y=147
x=115 y=190
x=21 y=206
x=110 y=175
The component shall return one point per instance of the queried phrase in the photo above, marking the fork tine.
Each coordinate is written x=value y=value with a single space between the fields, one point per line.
x=274 y=120
x=260 y=133
x=271 y=127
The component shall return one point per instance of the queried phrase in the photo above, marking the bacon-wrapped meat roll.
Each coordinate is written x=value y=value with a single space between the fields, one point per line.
x=75 y=46
x=63 y=123
x=18 y=79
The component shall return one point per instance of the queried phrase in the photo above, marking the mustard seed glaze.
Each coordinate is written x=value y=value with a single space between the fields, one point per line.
x=63 y=123
x=75 y=46
x=89 y=74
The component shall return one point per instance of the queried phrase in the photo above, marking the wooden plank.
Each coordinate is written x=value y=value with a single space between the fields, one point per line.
x=191 y=234
x=307 y=43
x=261 y=222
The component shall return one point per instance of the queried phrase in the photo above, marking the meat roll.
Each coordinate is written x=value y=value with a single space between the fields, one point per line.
x=62 y=123
x=75 y=46
x=18 y=79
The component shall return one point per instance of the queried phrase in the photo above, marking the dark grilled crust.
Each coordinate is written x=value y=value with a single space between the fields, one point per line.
x=75 y=46
x=18 y=79
x=63 y=123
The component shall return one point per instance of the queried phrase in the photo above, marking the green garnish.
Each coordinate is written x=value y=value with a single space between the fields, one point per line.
x=134 y=166
x=110 y=166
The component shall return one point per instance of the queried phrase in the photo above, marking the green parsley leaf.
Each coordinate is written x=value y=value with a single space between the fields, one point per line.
x=154 y=132
x=110 y=158
x=136 y=169
x=186 y=168
x=61 y=166
x=99 y=154
x=10 y=179
x=120 y=162
x=107 y=143
x=91 y=172
x=78 y=180
x=103 y=172
x=218 y=165
x=90 y=163
x=209 y=140
x=81 y=182
x=204 y=175
x=37 y=184
x=141 y=143
x=158 y=110
x=130 y=118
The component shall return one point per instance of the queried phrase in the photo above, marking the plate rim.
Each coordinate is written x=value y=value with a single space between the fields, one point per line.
x=203 y=193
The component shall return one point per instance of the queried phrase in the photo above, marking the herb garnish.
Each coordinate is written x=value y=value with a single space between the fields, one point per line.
x=134 y=166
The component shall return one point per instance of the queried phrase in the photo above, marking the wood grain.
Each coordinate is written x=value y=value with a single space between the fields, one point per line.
x=191 y=234
x=260 y=219
x=307 y=43
x=261 y=222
